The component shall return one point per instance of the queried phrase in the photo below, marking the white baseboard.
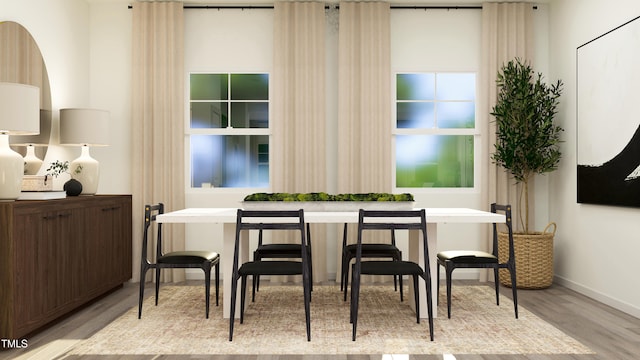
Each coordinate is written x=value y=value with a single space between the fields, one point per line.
x=598 y=296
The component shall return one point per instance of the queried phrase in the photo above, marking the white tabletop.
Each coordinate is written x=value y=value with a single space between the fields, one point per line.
x=228 y=215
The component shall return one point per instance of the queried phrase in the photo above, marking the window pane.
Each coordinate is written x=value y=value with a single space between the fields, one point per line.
x=250 y=114
x=249 y=87
x=230 y=160
x=415 y=86
x=456 y=115
x=207 y=115
x=456 y=86
x=415 y=115
x=209 y=87
x=434 y=161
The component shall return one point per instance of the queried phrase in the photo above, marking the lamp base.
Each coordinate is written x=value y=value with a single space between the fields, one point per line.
x=11 y=170
x=90 y=173
x=32 y=163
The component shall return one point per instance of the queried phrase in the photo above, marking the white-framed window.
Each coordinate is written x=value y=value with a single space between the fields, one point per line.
x=435 y=130
x=229 y=130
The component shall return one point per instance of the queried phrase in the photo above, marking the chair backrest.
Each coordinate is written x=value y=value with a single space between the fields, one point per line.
x=394 y=220
x=261 y=220
x=345 y=233
x=506 y=209
x=150 y=214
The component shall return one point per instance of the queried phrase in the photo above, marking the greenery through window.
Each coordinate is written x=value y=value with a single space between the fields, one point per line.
x=435 y=130
x=229 y=130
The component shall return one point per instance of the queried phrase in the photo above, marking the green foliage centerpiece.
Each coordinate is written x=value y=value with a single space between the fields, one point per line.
x=323 y=201
x=322 y=196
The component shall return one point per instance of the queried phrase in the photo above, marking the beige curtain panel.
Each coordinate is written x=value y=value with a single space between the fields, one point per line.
x=364 y=109
x=507 y=32
x=158 y=120
x=299 y=120
x=364 y=87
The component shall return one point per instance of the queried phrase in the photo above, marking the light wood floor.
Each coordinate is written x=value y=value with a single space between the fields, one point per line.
x=613 y=335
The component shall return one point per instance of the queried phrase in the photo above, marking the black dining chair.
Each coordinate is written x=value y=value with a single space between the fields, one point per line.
x=270 y=220
x=369 y=250
x=372 y=220
x=453 y=259
x=279 y=251
x=203 y=259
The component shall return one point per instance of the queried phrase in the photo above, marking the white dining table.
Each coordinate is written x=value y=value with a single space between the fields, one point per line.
x=227 y=217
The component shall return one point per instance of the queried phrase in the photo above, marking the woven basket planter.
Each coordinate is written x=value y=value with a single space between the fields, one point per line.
x=534 y=258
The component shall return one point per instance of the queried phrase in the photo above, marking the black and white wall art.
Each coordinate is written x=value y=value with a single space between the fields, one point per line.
x=608 y=117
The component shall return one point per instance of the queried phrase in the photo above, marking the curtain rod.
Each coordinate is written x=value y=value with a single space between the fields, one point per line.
x=407 y=7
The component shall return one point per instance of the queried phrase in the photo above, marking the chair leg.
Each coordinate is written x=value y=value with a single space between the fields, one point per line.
x=255 y=285
x=399 y=278
x=343 y=269
x=232 y=310
x=243 y=295
x=157 y=284
x=342 y=274
x=416 y=292
x=401 y=292
x=514 y=290
x=310 y=257
x=438 y=287
x=306 y=284
x=255 y=279
x=346 y=266
x=496 y=281
x=207 y=287
x=310 y=270
x=449 y=269
x=355 y=295
x=217 y=271
x=143 y=273
x=427 y=280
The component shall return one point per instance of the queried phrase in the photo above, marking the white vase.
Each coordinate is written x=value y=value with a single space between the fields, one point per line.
x=32 y=163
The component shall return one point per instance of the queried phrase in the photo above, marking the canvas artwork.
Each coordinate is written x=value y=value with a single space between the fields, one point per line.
x=608 y=117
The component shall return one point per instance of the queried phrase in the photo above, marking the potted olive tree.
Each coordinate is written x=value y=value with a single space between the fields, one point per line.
x=527 y=143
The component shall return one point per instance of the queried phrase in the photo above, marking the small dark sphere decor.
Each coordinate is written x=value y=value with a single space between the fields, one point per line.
x=73 y=187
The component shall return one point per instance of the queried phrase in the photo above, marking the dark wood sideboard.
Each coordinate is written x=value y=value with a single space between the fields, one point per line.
x=56 y=255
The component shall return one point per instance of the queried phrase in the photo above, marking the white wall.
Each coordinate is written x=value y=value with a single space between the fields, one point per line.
x=110 y=88
x=596 y=246
x=86 y=49
x=60 y=28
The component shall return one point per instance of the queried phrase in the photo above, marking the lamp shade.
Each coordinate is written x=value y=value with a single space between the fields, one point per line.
x=41 y=139
x=19 y=109
x=84 y=127
x=19 y=114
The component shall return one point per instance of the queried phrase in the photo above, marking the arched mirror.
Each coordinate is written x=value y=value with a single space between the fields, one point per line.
x=22 y=62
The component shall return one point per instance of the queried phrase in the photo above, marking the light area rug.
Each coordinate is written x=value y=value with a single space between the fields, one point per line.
x=275 y=324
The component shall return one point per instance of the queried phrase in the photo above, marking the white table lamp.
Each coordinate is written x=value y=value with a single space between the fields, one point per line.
x=86 y=128
x=19 y=115
x=32 y=162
